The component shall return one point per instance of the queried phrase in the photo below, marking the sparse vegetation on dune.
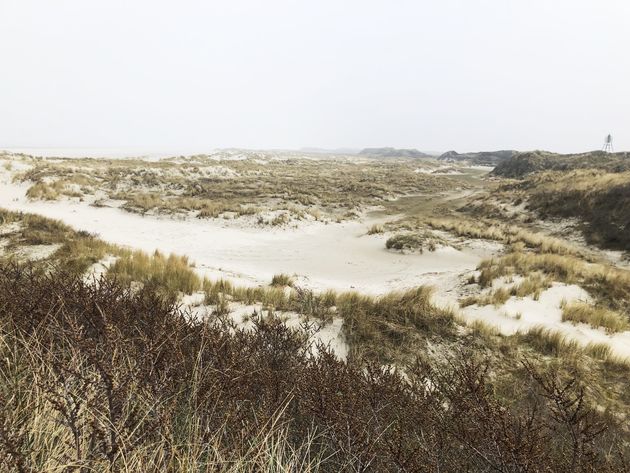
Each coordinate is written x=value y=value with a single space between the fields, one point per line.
x=103 y=378
x=601 y=200
x=191 y=395
x=321 y=189
x=610 y=284
x=522 y=164
x=505 y=233
x=532 y=286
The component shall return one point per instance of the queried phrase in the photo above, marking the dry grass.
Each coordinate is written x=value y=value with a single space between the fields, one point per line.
x=496 y=297
x=270 y=297
x=376 y=229
x=550 y=341
x=505 y=233
x=417 y=241
x=171 y=273
x=610 y=284
x=483 y=329
x=581 y=312
x=321 y=189
x=599 y=198
x=281 y=280
x=533 y=285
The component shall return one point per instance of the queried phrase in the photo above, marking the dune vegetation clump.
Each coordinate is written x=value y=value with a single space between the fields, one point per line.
x=171 y=273
x=581 y=312
x=417 y=241
x=376 y=229
x=281 y=280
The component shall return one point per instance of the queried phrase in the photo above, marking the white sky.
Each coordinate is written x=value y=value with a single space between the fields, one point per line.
x=435 y=75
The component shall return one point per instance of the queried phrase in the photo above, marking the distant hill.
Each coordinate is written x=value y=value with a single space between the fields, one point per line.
x=394 y=153
x=522 y=164
x=481 y=158
x=329 y=151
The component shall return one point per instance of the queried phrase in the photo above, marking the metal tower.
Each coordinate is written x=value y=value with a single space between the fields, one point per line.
x=608 y=146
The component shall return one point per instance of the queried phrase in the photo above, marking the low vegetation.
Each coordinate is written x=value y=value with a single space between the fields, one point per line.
x=522 y=164
x=171 y=273
x=601 y=200
x=376 y=229
x=532 y=286
x=417 y=241
x=210 y=186
x=281 y=280
x=505 y=233
x=581 y=312
x=103 y=378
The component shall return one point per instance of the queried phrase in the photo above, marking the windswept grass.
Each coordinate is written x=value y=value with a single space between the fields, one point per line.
x=172 y=273
x=495 y=297
x=581 y=312
x=281 y=280
x=532 y=285
x=610 y=284
x=484 y=329
x=376 y=229
x=505 y=233
x=599 y=198
x=270 y=297
x=550 y=341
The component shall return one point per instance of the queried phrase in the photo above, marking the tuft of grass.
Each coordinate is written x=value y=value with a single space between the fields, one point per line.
x=497 y=298
x=42 y=191
x=550 y=341
x=376 y=229
x=581 y=312
x=484 y=329
x=171 y=273
x=601 y=351
x=411 y=242
x=281 y=280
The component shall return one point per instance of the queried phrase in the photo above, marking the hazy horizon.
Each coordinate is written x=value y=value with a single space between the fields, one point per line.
x=288 y=74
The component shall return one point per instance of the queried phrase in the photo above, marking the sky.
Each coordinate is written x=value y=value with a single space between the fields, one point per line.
x=435 y=75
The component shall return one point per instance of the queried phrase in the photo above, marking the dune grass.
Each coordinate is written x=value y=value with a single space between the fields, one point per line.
x=320 y=188
x=172 y=273
x=495 y=297
x=610 y=284
x=550 y=341
x=416 y=241
x=376 y=229
x=281 y=280
x=581 y=312
x=532 y=286
x=505 y=233
x=599 y=198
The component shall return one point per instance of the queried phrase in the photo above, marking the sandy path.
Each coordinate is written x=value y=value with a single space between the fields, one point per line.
x=335 y=256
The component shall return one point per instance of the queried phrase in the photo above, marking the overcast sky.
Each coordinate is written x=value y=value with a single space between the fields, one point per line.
x=434 y=75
